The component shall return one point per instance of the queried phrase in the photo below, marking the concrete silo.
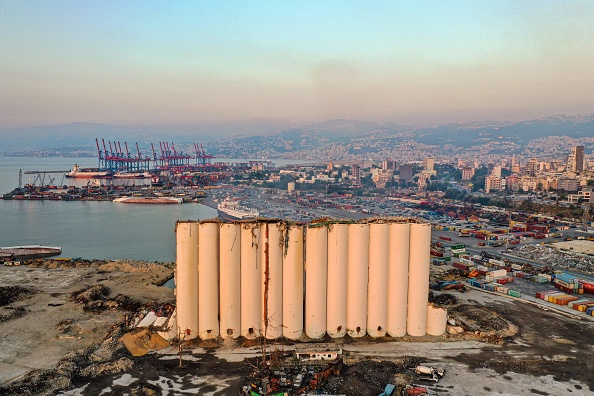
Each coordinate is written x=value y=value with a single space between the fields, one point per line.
x=357 y=277
x=437 y=319
x=377 y=290
x=398 y=279
x=272 y=236
x=293 y=283
x=418 y=279
x=230 y=285
x=187 y=278
x=251 y=280
x=316 y=272
x=208 y=279
x=337 y=280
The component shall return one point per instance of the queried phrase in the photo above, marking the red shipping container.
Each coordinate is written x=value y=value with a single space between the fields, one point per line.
x=461 y=265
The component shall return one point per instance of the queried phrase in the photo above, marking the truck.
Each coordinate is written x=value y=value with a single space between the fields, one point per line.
x=429 y=373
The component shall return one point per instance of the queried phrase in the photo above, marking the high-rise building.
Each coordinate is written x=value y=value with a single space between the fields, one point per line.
x=512 y=182
x=494 y=183
x=387 y=164
x=514 y=161
x=467 y=173
x=496 y=171
x=429 y=164
x=356 y=171
x=531 y=167
x=406 y=172
x=576 y=159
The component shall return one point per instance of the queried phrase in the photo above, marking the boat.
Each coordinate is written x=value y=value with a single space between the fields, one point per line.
x=28 y=251
x=133 y=175
x=87 y=173
x=150 y=200
x=231 y=210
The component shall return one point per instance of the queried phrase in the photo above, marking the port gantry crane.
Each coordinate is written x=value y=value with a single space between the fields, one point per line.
x=116 y=160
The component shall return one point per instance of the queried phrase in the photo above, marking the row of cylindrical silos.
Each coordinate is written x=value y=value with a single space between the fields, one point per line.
x=273 y=279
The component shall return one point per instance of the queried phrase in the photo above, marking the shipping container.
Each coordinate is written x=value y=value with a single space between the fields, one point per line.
x=514 y=293
x=502 y=289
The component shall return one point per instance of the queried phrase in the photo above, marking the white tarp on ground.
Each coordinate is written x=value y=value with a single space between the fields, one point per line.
x=148 y=320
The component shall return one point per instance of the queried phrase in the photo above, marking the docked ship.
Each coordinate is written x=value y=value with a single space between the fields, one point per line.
x=133 y=175
x=87 y=173
x=150 y=200
x=232 y=210
x=29 y=251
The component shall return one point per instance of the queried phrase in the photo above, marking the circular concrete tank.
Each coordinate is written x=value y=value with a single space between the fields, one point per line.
x=357 y=278
x=293 y=283
x=208 y=279
x=337 y=280
x=251 y=281
x=377 y=290
x=398 y=279
x=230 y=281
x=187 y=278
x=418 y=279
x=316 y=272
x=272 y=279
x=437 y=319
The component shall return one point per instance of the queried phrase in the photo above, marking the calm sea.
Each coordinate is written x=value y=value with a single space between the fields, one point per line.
x=91 y=230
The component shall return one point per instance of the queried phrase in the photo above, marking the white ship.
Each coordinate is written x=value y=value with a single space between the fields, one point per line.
x=150 y=200
x=233 y=210
x=87 y=173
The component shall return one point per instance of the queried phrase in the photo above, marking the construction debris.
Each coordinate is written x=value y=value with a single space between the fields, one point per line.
x=555 y=257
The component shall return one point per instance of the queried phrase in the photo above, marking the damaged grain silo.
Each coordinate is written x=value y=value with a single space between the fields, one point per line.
x=276 y=279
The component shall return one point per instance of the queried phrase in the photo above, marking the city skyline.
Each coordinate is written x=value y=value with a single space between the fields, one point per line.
x=139 y=63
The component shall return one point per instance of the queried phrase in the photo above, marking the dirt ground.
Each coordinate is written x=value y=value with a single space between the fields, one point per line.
x=50 y=325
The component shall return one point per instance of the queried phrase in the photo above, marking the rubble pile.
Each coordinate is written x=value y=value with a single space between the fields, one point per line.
x=106 y=358
x=484 y=323
x=443 y=299
x=10 y=294
x=94 y=299
x=556 y=258
x=159 y=272
x=10 y=313
x=367 y=377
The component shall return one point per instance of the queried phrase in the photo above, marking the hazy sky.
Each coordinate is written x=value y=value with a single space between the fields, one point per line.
x=187 y=62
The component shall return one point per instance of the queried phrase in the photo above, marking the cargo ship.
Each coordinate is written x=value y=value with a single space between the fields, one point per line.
x=133 y=175
x=29 y=251
x=87 y=173
x=149 y=200
x=232 y=210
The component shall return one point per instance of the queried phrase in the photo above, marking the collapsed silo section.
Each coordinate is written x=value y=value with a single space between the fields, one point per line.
x=293 y=283
x=230 y=280
x=251 y=280
x=418 y=279
x=208 y=279
x=187 y=279
x=272 y=279
x=398 y=251
x=377 y=290
x=357 y=270
x=337 y=280
x=437 y=319
x=316 y=272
